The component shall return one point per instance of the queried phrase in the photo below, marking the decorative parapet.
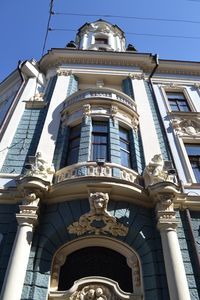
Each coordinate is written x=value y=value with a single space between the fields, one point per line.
x=158 y=171
x=95 y=169
x=98 y=220
x=97 y=93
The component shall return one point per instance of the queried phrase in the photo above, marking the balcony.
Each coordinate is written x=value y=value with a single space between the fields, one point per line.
x=97 y=170
x=100 y=93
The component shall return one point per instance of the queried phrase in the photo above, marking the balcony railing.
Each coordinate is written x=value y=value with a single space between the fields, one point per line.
x=95 y=169
x=101 y=93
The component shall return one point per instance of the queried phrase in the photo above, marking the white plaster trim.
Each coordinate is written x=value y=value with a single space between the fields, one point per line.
x=147 y=128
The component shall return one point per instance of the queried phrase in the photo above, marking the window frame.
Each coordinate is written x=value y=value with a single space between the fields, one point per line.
x=70 y=143
x=100 y=134
x=184 y=92
x=128 y=143
x=193 y=176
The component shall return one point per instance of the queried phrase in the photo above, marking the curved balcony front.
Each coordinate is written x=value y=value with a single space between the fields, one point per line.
x=100 y=93
x=96 y=169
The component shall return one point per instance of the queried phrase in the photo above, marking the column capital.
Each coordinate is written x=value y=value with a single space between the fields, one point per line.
x=28 y=210
x=166 y=216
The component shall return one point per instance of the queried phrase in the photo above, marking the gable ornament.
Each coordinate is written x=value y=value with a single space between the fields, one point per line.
x=98 y=220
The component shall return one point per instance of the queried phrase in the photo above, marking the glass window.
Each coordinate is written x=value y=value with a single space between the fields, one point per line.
x=177 y=101
x=100 y=141
x=125 y=147
x=101 y=40
x=73 y=145
x=193 y=151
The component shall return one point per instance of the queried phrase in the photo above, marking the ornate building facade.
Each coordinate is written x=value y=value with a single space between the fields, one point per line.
x=100 y=174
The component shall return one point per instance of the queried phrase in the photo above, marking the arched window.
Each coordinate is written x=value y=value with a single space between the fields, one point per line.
x=96 y=262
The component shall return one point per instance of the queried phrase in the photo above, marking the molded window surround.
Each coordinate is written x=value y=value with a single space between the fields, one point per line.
x=177 y=99
x=119 y=248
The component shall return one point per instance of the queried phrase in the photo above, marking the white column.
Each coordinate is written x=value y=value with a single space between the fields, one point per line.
x=175 y=271
x=176 y=277
x=16 y=270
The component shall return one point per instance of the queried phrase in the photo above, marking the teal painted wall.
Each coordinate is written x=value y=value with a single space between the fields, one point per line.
x=52 y=234
x=187 y=252
x=162 y=138
x=8 y=228
x=27 y=135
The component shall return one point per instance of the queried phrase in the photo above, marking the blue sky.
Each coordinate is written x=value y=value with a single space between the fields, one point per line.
x=23 y=25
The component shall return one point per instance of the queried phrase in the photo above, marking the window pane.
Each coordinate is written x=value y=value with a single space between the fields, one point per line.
x=125 y=147
x=177 y=101
x=73 y=145
x=125 y=158
x=99 y=152
x=192 y=149
x=193 y=152
x=99 y=140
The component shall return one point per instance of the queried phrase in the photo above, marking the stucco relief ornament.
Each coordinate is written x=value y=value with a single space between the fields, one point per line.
x=92 y=292
x=186 y=127
x=98 y=220
x=40 y=168
x=155 y=172
x=100 y=27
x=37 y=97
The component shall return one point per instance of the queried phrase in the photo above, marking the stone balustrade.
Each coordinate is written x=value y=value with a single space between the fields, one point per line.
x=95 y=169
x=101 y=93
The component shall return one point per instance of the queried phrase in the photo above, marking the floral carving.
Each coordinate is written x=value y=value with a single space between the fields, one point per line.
x=92 y=292
x=98 y=220
x=186 y=127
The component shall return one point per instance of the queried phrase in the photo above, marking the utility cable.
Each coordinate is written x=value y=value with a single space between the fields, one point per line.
x=128 y=17
x=135 y=33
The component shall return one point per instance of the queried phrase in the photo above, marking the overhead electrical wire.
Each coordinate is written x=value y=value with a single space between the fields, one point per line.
x=135 y=33
x=128 y=17
x=43 y=49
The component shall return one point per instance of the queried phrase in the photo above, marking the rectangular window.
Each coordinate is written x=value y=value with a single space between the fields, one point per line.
x=99 y=141
x=177 y=101
x=193 y=151
x=101 y=41
x=73 y=145
x=125 y=147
